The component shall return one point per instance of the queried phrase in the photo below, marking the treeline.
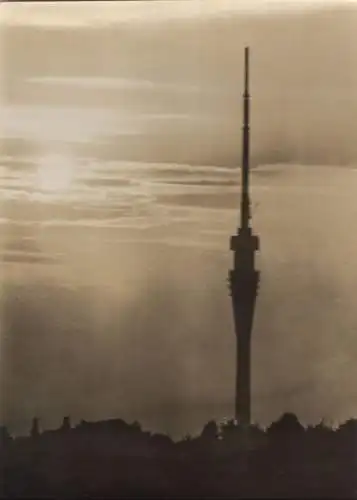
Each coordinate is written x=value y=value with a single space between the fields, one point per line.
x=115 y=459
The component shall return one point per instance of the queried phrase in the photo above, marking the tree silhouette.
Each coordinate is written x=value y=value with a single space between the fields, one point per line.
x=288 y=424
x=112 y=458
x=210 y=431
x=35 y=429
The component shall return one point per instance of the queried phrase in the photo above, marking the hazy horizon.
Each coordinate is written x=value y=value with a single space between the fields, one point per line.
x=119 y=182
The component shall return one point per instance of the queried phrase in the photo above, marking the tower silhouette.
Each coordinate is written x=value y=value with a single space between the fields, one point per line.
x=244 y=278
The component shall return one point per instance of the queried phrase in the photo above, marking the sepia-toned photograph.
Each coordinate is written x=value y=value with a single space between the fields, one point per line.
x=178 y=251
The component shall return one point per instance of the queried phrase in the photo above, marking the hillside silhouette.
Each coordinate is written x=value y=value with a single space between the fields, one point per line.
x=113 y=458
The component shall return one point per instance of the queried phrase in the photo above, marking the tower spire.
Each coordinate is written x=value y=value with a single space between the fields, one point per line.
x=245 y=202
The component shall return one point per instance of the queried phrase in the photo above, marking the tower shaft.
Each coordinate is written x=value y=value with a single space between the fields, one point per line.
x=244 y=278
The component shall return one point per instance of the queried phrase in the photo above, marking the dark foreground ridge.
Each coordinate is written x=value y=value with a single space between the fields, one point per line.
x=115 y=459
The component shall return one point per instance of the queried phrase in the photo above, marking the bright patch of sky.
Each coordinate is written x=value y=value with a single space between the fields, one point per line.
x=101 y=13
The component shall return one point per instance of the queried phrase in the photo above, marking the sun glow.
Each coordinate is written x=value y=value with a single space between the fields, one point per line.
x=55 y=172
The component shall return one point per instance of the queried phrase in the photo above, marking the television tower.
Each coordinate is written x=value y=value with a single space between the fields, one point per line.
x=244 y=278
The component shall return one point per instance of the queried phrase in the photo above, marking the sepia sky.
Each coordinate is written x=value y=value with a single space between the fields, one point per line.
x=101 y=13
x=120 y=146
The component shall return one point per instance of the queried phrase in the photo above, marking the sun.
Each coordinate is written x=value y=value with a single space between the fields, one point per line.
x=55 y=172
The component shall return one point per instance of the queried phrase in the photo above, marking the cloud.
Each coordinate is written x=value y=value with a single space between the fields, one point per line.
x=27 y=258
x=303 y=110
x=21 y=247
x=22 y=244
x=67 y=124
x=129 y=13
x=114 y=83
x=80 y=125
x=106 y=182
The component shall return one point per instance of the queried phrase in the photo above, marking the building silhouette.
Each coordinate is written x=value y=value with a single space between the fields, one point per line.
x=244 y=278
